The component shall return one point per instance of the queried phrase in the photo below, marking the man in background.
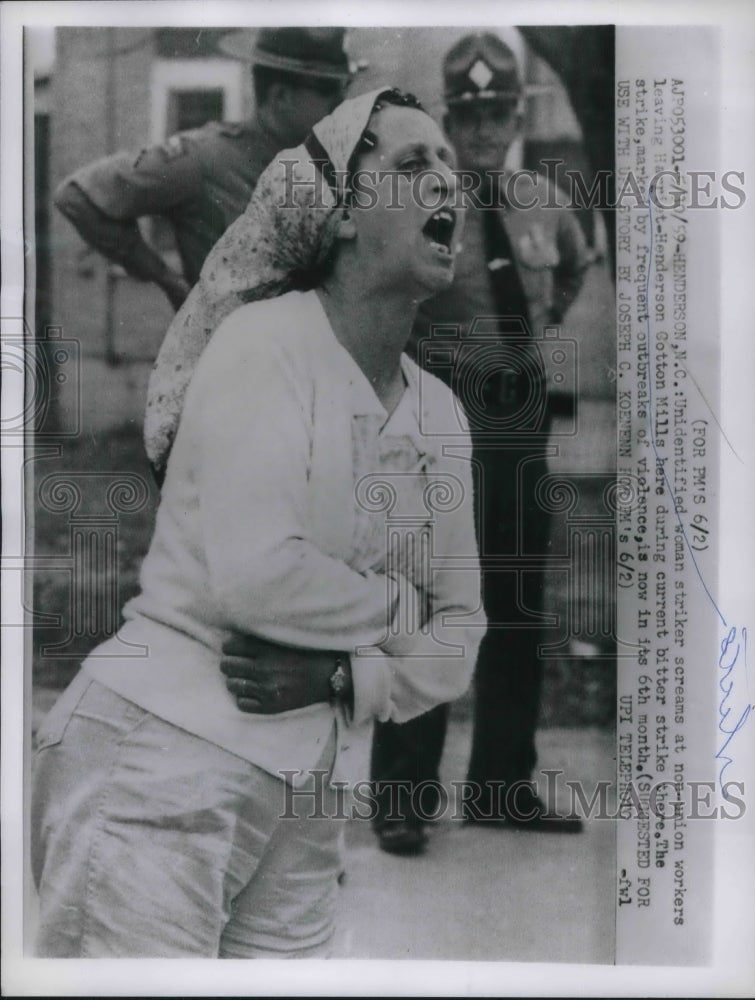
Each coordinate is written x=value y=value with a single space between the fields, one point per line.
x=523 y=267
x=201 y=180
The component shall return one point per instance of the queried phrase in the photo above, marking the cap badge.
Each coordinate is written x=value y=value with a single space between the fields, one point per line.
x=480 y=74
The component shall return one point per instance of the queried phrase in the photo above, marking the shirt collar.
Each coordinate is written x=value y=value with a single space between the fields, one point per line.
x=346 y=372
x=404 y=421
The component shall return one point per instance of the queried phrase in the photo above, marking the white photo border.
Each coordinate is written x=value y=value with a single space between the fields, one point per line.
x=733 y=970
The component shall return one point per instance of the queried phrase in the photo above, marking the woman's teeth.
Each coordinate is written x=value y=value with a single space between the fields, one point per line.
x=439 y=229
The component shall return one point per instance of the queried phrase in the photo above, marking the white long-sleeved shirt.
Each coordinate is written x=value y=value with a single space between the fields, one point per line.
x=287 y=487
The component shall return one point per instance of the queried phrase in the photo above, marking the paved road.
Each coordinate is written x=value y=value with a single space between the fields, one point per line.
x=489 y=894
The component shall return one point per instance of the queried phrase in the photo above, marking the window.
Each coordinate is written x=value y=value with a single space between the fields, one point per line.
x=186 y=94
x=189 y=109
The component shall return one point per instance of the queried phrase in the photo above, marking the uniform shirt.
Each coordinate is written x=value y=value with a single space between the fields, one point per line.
x=286 y=486
x=200 y=181
x=457 y=335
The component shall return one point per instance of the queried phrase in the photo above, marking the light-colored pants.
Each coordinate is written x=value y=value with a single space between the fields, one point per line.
x=150 y=842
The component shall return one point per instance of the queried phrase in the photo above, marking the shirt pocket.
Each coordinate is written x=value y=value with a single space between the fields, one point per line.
x=538 y=257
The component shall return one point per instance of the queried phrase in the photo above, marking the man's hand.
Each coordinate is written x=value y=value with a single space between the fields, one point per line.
x=266 y=678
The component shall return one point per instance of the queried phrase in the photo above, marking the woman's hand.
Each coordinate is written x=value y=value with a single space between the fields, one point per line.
x=265 y=677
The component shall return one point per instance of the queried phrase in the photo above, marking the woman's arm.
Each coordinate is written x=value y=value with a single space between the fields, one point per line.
x=248 y=421
x=264 y=678
x=439 y=667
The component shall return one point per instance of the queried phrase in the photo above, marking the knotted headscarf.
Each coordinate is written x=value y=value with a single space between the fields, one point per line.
x=283 y=238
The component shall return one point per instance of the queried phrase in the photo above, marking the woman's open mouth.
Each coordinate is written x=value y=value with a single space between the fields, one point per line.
x=439 y=230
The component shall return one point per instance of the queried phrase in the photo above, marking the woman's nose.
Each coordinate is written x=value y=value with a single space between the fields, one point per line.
x=443 y=179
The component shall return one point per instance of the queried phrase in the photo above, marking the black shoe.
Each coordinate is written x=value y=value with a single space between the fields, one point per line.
x=531 y=815
x=400 y=837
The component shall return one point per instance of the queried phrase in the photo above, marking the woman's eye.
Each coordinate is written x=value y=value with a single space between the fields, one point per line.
x=412 y=166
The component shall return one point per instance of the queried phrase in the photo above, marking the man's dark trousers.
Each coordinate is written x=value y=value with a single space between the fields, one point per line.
x=508 y=677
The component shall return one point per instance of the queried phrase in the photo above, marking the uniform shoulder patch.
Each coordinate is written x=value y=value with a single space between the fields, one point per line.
x=171 y=149
x=174 y=147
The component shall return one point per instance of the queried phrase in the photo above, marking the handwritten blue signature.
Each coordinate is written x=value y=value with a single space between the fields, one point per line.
x=729 y=659
x=727 y=662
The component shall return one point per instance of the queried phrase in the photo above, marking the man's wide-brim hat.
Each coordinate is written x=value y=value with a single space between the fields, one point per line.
x=312 y=52
x=480 y=67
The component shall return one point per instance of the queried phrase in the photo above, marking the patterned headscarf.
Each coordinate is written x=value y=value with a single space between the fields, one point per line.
x=283 y=238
